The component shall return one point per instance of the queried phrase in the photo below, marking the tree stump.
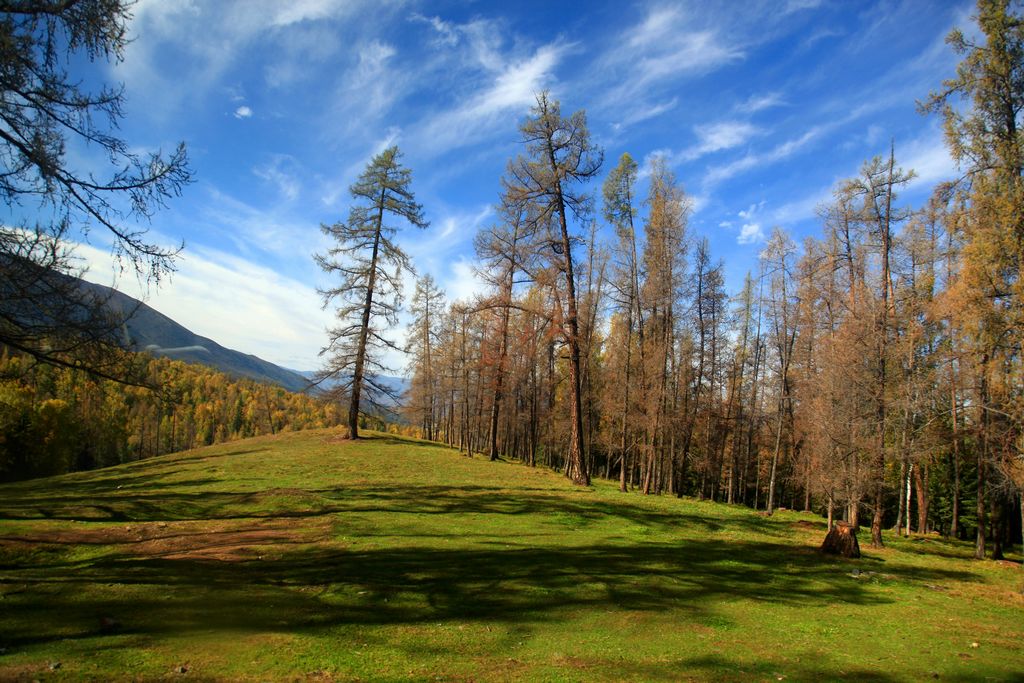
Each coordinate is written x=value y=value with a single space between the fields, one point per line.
x=842 y=540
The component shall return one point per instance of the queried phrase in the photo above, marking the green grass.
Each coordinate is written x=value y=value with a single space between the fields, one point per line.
x=300 y=557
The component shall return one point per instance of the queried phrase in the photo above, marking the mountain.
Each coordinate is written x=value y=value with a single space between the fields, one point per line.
x=149 y=330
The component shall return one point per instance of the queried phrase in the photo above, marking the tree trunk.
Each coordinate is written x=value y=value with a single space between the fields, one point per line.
x=921 y=484
x=357 y=371
x=904 y=501
x=842 y=540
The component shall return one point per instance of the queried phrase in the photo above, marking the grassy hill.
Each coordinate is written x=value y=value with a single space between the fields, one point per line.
x=302 y=557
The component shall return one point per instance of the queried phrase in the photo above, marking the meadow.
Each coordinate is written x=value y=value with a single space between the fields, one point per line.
x=303 y=556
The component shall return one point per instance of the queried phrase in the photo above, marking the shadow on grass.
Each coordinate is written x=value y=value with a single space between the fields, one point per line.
x=285 y=585
x=99 y=502
x=313 y=587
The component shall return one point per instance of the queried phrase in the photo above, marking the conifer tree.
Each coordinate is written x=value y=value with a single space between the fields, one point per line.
x=987 y=140
x=560 y=156
x=369 y=264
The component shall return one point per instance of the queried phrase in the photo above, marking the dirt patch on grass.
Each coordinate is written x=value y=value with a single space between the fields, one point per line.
x=228 y=541
x=342 y=437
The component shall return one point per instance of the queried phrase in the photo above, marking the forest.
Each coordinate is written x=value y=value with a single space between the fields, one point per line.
x=872 y=373
x=55 y=420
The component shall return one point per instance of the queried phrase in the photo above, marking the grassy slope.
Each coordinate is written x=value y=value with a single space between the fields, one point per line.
x=300 y=557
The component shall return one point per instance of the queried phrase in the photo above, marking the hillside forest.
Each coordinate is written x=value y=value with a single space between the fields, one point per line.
x=871 y=373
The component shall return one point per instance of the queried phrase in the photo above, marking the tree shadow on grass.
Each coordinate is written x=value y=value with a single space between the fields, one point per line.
x=168 y=502
x=722 y=668
x=312 y=587
x=292 y=585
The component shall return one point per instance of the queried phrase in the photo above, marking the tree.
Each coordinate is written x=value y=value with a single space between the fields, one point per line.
x=424 y=338
x=619 y=211
x=46 y=114
x=777 y=257
x=503 y=251
x=987 y=142
x=369 y=264
x=560 y=155
x=876 y=186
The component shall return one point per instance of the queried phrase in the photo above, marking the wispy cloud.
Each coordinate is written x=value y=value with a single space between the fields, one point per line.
x=756 y=103
x=752 y=160
x=751 y=231
x=714 y=137
x=446 y=33
x=368 y=90
x=257 y=231
x=281 y=171
x=499 y=103
x=188 y=47
x=665 y=46
x=243 y=112
x=647 y=112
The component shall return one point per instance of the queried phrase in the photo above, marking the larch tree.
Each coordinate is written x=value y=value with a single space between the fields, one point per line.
x=663 y=266
x=778 y=256
x=560 y=156
x=503 y=250
x=620 y=212
x=53 y=200
x=876 y=188
x=987 y=141
x=369 y=264
x=427 y=307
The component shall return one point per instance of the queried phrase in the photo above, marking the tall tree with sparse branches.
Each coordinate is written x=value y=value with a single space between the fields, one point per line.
x=560 y=157
x=369 y=264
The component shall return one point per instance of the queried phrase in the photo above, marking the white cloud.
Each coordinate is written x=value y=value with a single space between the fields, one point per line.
x=751 y=211
x=644 y=113
x=447 y=34
x=461 y=282
x=753 y=160
x=274 y=230
x=750 y=233
x=929 y=158
x=664 y=47
x=797 y=5
x=234 y=302
x=371 y=87
x=715 y=137
x=207 y=39
x=281 y=171
x=243 y=112
x=802 y=208
x=756 y=103
x=509 y=94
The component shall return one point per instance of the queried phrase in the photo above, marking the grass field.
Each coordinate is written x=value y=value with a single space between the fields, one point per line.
x=303 y=557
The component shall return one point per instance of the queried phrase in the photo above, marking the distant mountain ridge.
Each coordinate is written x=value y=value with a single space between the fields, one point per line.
x=146 y=329
x=149 y=330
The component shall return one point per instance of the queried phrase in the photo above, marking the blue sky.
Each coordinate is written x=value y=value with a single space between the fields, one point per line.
x=760 y=107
